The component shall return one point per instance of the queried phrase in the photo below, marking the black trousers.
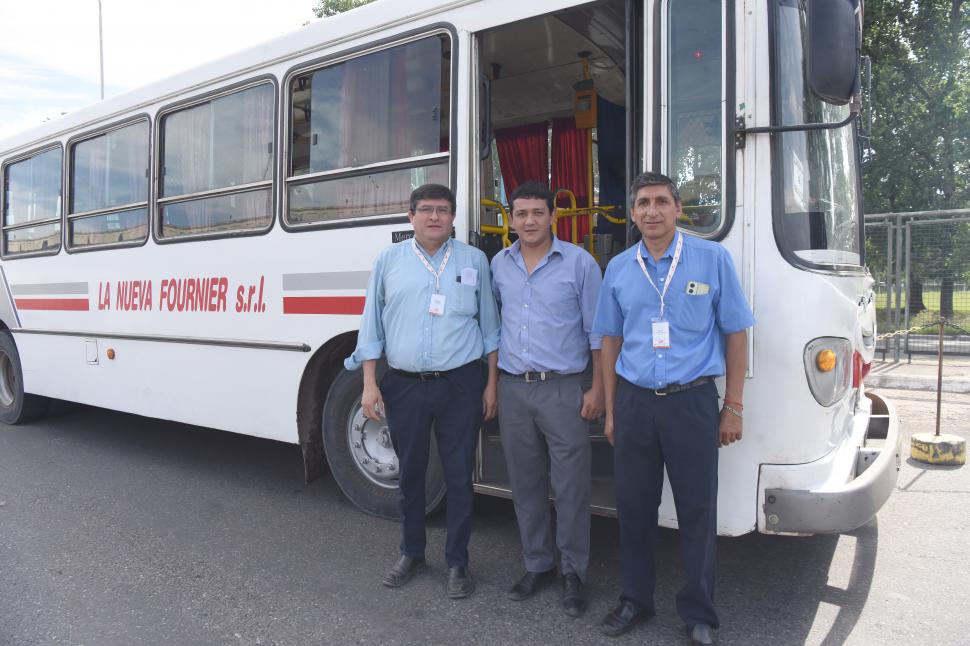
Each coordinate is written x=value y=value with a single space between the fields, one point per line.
x=452 y=404
x=679 y=431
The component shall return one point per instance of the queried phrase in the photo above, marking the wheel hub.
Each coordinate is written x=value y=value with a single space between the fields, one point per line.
x=370 y=444
x=8 y=380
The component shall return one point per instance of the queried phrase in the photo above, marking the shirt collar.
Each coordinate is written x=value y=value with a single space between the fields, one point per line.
x=557 y=247
x=645 y=253
x=440 y=250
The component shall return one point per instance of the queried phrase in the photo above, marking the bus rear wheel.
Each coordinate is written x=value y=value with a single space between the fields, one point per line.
x=361 y=456
x=16 y=406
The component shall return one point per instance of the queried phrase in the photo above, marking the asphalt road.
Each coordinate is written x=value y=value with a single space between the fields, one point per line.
x=121 y=530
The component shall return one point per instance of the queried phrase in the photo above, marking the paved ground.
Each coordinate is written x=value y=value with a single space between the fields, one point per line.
x=920 y=372
x=120 y=530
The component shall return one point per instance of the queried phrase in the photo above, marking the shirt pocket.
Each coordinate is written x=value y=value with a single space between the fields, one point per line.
x=466 y=299
x=698 y=311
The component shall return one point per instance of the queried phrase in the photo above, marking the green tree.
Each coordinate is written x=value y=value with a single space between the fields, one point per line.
x=920 y=107
x=326 y=8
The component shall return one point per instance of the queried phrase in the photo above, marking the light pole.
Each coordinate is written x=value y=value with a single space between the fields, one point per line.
x=101 y=49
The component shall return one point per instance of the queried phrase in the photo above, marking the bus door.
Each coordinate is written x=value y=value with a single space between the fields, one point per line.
x=554 y=105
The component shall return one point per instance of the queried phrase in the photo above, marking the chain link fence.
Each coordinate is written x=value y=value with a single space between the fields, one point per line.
x=921 y=265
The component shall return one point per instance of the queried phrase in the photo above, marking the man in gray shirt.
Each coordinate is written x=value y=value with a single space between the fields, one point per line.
x=547 y=290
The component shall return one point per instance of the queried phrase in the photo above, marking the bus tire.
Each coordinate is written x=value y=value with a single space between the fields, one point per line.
x=360 y=455
x=16 y=406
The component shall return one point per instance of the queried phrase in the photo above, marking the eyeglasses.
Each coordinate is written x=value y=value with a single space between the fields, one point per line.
x=428 y=210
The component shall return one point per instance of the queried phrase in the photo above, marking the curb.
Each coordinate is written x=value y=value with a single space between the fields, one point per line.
x=910 y=382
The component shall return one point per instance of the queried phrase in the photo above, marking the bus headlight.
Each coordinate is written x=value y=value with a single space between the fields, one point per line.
x=828 y=365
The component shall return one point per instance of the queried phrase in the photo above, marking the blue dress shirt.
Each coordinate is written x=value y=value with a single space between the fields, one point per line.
x=628 y=305
x=397 y=322
x=546 y=316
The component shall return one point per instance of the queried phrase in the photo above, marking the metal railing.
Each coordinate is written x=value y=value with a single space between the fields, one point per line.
x=921 y=264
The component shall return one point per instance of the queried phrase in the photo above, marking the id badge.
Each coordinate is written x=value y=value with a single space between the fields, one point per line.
x=661 y=334
x=437 y=307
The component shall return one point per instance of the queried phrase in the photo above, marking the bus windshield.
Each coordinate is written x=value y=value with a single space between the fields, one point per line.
x=816 y=185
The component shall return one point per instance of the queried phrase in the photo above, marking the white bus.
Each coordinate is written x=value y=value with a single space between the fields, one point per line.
x=197 y=250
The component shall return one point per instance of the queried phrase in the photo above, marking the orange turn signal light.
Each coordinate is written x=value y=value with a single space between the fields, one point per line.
x=825 y=361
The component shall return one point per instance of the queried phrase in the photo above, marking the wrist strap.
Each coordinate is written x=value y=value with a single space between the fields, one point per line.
x=737 y=405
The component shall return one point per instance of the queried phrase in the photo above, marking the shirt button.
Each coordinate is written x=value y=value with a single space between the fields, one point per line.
x=524 y=327
x=525 y=305
x=660 y=356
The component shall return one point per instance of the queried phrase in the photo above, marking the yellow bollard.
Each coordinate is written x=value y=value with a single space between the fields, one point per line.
x=938 y=449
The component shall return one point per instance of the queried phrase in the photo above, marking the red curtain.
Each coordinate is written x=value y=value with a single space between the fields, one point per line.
x=570 y=169
x=523 y=154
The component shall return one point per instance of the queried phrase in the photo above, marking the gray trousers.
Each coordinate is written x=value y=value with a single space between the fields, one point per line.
x=547 y=442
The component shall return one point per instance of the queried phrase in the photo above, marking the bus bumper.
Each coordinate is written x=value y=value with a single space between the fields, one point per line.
x=844 y=489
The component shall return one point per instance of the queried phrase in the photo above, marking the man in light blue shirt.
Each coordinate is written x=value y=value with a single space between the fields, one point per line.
x=547 y=290
x=429 y=309
x=673 y=317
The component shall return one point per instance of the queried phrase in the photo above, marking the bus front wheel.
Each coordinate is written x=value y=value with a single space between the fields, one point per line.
x=16 y=406
x=361 y=456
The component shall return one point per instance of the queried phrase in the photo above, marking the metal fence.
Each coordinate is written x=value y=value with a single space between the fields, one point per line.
x=921 y=263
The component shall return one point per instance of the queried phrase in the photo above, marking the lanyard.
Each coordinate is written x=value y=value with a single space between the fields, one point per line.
x=670 y=272
x=427 y=265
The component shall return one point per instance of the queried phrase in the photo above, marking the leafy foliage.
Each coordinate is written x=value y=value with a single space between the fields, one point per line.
x=920 y=103
x=326 y=8
x=920 y=139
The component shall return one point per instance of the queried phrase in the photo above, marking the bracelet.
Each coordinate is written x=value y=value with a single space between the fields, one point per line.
x=737 y=405
x=731 y=409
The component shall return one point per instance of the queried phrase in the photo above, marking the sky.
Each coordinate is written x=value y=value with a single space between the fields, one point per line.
x=49 y=49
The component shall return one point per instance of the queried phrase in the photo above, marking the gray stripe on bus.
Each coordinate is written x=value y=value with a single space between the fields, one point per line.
x=326 y=280
x=49 y=288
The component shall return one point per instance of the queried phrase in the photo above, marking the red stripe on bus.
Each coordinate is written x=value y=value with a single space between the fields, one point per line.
x=323 y=304
x=65 y=304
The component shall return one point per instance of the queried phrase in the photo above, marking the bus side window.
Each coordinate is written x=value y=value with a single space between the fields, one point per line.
x=217 y=158
x=366 y=131
x=108 y=188
x=32 y=204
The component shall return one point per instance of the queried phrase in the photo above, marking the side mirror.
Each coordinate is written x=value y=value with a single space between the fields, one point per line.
x=834 y=45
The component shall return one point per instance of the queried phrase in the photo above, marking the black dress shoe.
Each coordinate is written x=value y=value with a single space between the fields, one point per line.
x=403 y=570
x=623 y=618
x=700 y=634
x=573 y=598
x=460 y=583
x=530 y=583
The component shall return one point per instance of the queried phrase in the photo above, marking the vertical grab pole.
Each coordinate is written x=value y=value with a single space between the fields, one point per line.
x=591 y=216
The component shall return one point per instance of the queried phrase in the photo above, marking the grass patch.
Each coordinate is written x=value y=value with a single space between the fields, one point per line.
x=931 y=299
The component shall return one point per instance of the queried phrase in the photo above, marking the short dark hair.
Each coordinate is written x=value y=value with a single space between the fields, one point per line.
x=532 y=190
x=432 y=192
x=653 y=179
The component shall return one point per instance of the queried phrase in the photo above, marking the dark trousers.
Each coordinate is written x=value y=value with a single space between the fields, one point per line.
x=679 y=431
x=452 y=404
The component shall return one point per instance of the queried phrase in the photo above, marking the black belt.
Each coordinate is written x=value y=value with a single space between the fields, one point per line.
x=426 y=376
x=533 y=377
x=676 y=388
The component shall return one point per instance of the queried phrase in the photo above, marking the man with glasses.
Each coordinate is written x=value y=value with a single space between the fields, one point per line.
x=430 y=311
x=673 y=317
x=547 y=289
